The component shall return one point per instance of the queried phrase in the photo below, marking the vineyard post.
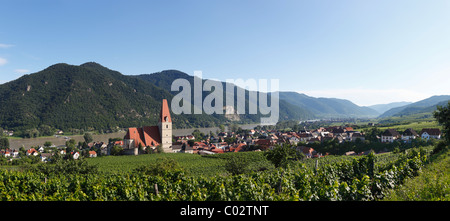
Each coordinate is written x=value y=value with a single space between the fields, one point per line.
x=316 y=167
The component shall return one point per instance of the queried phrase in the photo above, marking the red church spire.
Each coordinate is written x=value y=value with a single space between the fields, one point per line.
x=164 y=116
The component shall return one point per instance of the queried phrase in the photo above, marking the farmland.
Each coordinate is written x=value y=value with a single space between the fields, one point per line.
x=193 y=164
x=215 y=165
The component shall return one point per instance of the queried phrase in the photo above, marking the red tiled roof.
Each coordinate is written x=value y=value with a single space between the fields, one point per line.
x=237 y=148
x=32 y=150
x=147 y=136
x=217 y=150
x=263 y=142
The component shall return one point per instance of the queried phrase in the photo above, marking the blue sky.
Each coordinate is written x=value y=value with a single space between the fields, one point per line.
x=367 y=51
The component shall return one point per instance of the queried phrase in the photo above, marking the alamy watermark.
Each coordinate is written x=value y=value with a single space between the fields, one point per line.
x=213 y=103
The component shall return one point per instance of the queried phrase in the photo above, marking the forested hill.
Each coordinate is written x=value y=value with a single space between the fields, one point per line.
x=288 y=111
x=87 y=96
x=90 y=96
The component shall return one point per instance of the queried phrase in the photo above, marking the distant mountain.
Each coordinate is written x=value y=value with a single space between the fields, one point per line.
x=381 y=108
x=287 y=110
x=328 y=107
x=424 y=106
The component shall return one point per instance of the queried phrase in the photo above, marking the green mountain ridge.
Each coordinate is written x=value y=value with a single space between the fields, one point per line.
x=420 y=107
x=328 y=107
x=91 y=96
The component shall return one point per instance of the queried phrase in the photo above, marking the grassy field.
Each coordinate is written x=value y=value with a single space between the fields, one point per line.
x=193 y=164
x=213 y=165
x=417 y=126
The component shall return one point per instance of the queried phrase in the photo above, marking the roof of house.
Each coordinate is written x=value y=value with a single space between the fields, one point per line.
x=338 y=131
x=410 y=132
x=31 y=150
x=306 y=150
x=357 y=134
x=237 y=147
x=431 y=131
x=216 y=150
x=390 y=132
x=263 y=142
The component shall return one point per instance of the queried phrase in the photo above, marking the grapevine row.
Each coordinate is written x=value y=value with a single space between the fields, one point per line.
x=358 y=179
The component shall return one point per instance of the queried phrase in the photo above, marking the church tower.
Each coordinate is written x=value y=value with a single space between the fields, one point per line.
x=165 y=127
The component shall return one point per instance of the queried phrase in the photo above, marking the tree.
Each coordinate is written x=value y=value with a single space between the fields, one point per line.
x=234 y=127
x=70 y=143
x=4 y=143
x=372 y=133
x=442 y=115
x=222 y=128
x=47 y=144
x=116 y=150
x=230 y=140
x=282 y=155
x=88 y=137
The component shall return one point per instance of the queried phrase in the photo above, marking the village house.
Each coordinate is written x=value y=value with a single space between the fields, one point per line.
x=92 y=154
x=45 y=157
x=32 y=151
x=389 y=135
x=409 y=134
x=428 y=133
x=355 y=135
x=75 y=155
x=308 y=151
x=5 y=153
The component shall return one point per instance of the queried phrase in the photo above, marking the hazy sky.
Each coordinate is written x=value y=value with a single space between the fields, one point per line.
x=366 y=51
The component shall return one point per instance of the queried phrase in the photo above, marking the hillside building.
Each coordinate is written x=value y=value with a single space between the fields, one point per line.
x=151 y=136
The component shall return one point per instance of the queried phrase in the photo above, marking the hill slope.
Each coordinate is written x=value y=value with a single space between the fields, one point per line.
x=288 y=111
x=68 y=96
x=381 y=108
x=424 y=106
x=328 y=107
x=88 y=96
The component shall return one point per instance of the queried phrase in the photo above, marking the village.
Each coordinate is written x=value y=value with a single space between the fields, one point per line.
x=225 y=142
x=261 y=140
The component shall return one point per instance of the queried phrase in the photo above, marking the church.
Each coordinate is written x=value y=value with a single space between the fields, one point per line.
x=151 y=136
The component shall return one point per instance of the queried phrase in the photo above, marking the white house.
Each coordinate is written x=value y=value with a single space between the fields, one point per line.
x=15 y=153
x=389 y=135
x=409 y=134
x=428 y=133
x=45 y=156
x=75 y=155
x=92 y=154
x=32 y=151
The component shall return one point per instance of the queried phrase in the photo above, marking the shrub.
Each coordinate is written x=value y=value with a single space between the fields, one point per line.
x=161 y=167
